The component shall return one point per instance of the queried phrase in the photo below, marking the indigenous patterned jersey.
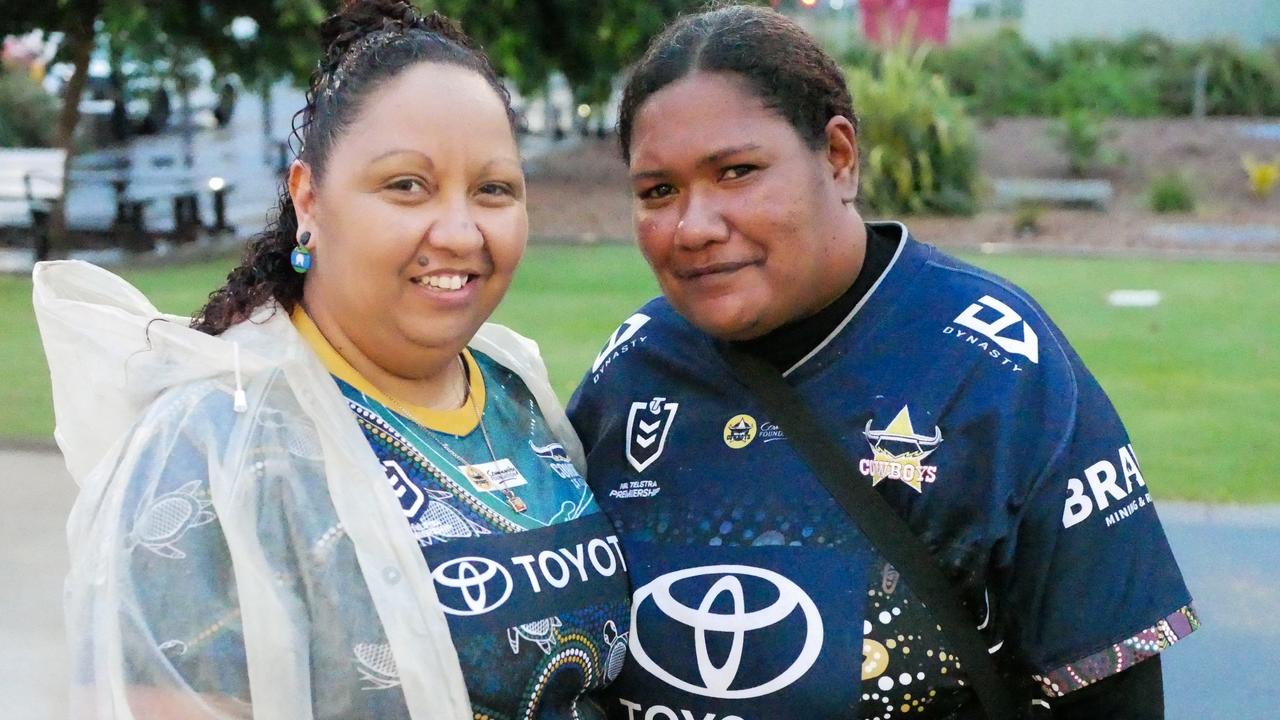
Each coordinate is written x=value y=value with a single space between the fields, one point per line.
x=755 y=595
x=527 y=569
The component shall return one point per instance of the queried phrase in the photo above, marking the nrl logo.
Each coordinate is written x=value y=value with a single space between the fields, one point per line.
x=647 y=426
x=897 y=452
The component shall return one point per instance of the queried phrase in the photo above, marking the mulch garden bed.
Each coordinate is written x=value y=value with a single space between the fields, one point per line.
x=582 y=194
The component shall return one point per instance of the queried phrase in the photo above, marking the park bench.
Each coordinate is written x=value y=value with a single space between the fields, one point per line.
x=31 y=185
x=1013 y=192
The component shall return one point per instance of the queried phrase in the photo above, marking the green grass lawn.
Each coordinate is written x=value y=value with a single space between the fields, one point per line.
x=1197 y=379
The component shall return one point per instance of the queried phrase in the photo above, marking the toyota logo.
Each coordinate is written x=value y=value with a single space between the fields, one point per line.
x=717 y=679
x=472 y=577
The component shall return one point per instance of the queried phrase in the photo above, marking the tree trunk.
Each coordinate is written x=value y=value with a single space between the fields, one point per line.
x=79 y=40
x=268 y=146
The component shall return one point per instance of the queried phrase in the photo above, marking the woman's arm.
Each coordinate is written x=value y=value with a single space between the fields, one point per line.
x=153 y=612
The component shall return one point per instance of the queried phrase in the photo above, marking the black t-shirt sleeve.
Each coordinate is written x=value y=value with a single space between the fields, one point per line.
x=1135 y=694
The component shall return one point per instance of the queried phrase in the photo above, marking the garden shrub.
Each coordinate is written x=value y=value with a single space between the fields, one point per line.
x=999 y=74
x=1263 y=176
x=1143 y=75
x=1104 y=88
x=859 y=55
x=1083 y=138
x=1241 y=82
x=1142 y=49
x=1172 y=193
x=918 y=145
x=1026 y=218
x=28 y=115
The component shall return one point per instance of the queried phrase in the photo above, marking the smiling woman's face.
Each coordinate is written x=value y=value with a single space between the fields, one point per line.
x=419 y=220
x=741 y=221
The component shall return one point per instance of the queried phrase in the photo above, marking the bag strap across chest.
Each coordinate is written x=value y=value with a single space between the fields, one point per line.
x=880 y=523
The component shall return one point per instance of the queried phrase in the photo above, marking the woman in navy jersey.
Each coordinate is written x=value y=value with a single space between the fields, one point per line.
x=952 y=393
x=339 y=493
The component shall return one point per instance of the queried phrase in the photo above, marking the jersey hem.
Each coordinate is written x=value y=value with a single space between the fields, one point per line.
x=1121 y=656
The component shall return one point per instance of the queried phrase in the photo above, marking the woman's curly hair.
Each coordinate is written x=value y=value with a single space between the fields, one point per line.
x=367 y=43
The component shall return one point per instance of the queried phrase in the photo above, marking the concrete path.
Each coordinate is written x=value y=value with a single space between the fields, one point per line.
x=1230 y=668
x=1227 y=670
x=37 y=494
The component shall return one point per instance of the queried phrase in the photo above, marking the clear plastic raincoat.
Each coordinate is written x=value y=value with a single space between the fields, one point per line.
x=236 y=550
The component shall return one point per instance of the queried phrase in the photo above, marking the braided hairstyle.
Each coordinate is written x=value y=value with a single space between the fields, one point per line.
x=781 y=63
x=366 y=44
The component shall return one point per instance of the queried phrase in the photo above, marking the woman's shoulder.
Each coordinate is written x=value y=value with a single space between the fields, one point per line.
x=518 y=357
x=186 y=425
x=503 y=343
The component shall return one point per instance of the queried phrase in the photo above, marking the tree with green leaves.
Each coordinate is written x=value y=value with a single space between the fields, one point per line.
x=587 y=40
x=155 y=30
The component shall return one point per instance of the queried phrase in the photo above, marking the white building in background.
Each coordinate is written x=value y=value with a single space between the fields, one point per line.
x=1250 y=22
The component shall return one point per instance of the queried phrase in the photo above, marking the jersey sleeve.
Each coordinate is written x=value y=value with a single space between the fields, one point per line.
x=159 y=627
x=585 y=415
x=1092 y=587
x=582 y=415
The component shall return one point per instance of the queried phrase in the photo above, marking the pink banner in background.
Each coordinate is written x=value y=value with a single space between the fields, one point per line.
x=885 y=21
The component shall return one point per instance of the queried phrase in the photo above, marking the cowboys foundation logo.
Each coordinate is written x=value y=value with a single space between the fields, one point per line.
x=790 y=607
x=647 y=426
x=897 y=450
x=740 y=431
x=471 y=585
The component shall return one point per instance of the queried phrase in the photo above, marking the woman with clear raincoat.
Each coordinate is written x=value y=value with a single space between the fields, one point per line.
x=337 y=491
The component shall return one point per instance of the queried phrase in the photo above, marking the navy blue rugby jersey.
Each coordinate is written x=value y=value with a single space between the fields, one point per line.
x=755 y=596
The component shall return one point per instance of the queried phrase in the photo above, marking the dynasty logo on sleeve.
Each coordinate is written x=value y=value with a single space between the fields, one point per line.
x=622 y=340
x=980 y=332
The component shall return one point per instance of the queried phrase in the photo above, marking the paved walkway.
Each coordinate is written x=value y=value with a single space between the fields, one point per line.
x=1227 y=670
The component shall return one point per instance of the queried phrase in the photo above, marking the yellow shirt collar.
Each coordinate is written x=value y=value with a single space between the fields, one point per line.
x=459 y=421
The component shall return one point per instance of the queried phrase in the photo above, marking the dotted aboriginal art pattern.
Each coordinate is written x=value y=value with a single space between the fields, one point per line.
x=904 y=664
x=1122 y=655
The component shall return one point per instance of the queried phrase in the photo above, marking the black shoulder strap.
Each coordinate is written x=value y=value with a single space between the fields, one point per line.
x=878 y=521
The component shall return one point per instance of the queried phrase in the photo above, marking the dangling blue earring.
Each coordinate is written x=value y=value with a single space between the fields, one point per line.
x=300 y=258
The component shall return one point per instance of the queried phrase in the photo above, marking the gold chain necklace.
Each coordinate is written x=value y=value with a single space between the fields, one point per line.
x=478 y=476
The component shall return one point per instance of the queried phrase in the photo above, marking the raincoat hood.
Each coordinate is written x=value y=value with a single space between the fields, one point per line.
x=111 y=353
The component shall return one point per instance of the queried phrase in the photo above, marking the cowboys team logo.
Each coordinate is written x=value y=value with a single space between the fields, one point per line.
x=647 y=426
x=897 y=451
x=740 y=431
x=557 y=459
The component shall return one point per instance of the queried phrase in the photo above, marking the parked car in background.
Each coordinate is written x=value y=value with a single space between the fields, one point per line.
x=143 y=100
